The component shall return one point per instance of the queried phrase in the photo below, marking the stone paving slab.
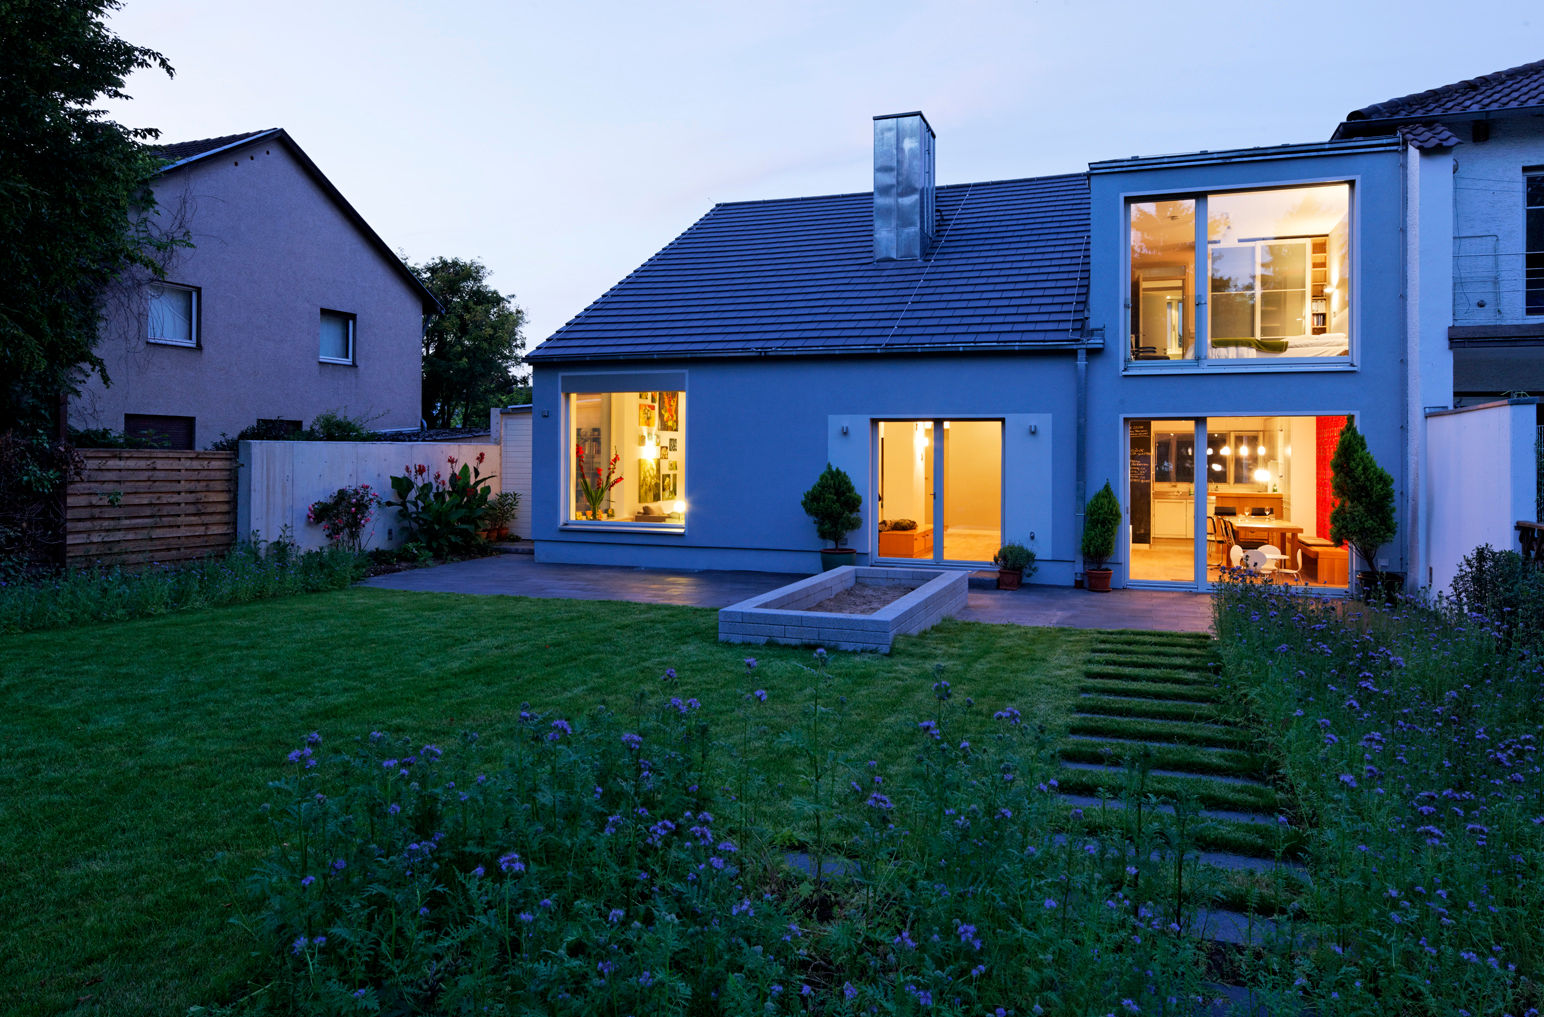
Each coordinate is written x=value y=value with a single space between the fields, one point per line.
x=521 y=576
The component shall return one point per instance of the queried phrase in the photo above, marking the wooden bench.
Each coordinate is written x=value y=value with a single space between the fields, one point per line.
x=1323 y=562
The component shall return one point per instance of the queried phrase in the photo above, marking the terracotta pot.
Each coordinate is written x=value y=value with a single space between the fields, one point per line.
x=837 y=558
x=1009 y=579
x=1098 y=580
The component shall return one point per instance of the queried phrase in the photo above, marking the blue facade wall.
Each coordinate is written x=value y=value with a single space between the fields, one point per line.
x=759 y=431
x=1371 y=387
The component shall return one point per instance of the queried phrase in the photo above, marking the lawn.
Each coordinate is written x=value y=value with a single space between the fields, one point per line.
x=137 y=754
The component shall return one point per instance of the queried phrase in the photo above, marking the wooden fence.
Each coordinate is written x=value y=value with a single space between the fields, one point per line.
x=139 y=505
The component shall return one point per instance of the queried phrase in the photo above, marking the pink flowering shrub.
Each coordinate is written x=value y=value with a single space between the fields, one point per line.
x=344 y=515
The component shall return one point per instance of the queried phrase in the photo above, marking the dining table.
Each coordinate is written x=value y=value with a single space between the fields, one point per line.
x=1269 y=530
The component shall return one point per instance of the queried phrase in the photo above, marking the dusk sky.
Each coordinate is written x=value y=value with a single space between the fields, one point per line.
x=562 y=144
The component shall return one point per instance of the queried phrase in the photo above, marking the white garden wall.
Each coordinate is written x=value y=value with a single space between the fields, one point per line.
x=512 y=430
x=277 y=481
x=1480 y=480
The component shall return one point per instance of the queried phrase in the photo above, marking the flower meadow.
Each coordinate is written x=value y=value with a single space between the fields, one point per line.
x=1409 y=738
x=253 y=570
x=631 y=863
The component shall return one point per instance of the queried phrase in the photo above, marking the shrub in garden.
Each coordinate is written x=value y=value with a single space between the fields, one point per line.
x=1504 y=589
x=1413 y=749
x=344 y=515
x=617 y=865
x=442 y=511
x=1364 y=492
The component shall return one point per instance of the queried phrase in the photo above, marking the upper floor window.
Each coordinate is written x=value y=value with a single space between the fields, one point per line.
x=1533 y=243
x=173 y=314
x=1277 y=275
x=337 y=337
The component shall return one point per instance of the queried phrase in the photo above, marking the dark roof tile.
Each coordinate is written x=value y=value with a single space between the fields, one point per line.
x=1518 y=87
x=177 y=151
x=1010 y=268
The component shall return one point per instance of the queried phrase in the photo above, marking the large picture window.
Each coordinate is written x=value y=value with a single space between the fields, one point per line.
x=1277 y=275
x=627 y=457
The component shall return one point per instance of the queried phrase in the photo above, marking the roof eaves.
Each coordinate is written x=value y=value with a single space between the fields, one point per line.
x=241 y=140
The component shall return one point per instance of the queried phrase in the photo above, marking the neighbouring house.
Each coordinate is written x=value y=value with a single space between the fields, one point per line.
x=1194 y=329
x=286 y=305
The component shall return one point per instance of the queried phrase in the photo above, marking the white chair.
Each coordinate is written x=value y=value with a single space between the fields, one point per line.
x=1279 y=566
x=1235 y=556
x=1256 y=561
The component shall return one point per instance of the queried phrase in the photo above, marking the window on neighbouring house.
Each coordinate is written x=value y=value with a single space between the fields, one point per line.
x=173 y=314
x=1277 y=269
x=337 y=337
x=645 y=432
x=1533 y=258
x=160 y=430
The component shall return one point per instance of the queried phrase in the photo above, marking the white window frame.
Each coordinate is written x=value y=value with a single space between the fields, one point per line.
x=351 y=320
x=194 y=310
x=1203 y=359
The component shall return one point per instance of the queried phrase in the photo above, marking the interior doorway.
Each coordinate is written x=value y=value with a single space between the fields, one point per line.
x=940 y=489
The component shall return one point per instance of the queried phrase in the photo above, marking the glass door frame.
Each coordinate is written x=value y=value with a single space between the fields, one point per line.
x=937 y=495
x=1199 y=579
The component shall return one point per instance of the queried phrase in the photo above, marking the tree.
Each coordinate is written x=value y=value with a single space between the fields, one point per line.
x=1364 y=514
x=471 y=351
x=75 y=204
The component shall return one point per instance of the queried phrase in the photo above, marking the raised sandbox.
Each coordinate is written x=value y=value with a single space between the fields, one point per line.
x=783 y=615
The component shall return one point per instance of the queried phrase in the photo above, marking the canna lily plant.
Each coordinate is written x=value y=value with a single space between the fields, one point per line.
x=598 y=490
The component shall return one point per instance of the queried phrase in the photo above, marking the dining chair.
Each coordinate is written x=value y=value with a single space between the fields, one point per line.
x=1255 y=561
x=1284 y=566
x=1236 y=556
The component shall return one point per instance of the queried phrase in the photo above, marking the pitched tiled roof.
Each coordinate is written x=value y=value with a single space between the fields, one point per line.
x=1009 y=269
x=1514 y=88
x=181 y=151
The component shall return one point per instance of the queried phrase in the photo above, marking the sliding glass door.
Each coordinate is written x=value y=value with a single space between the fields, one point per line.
x=940 y=489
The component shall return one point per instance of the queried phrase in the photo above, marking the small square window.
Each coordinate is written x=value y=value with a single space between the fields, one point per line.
x=173 y=314
x=337 y=337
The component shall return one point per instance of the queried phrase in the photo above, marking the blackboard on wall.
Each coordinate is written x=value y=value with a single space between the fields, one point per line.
x=1140 y=488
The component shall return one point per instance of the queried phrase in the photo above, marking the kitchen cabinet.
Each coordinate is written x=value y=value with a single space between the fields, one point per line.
x=1174 y=517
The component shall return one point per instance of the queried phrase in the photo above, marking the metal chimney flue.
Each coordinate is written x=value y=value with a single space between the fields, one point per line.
x=904 y=211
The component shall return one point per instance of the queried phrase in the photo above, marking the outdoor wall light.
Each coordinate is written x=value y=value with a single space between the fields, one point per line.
x=1034 y=429
x=844 y=428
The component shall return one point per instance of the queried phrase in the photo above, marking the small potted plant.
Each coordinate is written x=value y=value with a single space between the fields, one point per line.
x=1100 y=520
x=498 y=515
x=1364 y=515
x=833 y=503
x=1015 y=563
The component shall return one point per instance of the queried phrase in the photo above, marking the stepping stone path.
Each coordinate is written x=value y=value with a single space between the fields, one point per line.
x=1150 y=725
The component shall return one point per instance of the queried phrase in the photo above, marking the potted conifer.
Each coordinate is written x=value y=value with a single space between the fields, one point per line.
x=833 y=503
x=1101 y=519
x=1364 y=514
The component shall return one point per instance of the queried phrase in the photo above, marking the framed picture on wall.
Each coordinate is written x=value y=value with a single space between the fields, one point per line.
x=667 y=486
x=648 y=480
x=673 y=444
x=645 y=410
x=669 y=411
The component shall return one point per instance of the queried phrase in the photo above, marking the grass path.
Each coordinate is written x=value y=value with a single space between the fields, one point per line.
x=1150 y=727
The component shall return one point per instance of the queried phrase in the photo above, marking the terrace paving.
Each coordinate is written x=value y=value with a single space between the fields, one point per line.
x=519 y=575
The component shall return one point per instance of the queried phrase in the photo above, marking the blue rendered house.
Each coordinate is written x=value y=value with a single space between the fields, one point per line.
x=1193 y=329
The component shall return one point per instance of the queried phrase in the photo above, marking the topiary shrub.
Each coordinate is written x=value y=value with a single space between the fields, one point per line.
x=1014 y=557
x=1364 y=515
x=833 y=503
x=1100 y=520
